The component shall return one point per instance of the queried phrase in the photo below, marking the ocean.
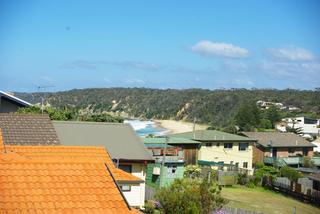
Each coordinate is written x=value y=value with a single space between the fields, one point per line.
x=146 y=127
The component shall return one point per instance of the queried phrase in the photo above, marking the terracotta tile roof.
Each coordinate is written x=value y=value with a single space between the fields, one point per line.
x=50 y=184
x=27 y=129
x=74 y=154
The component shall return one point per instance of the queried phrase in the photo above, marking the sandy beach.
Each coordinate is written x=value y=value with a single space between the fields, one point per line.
x=179 y=126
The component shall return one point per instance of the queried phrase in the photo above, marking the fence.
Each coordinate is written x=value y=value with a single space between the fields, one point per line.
x=301 y=190
x=226 y=178
x=232 y=210
x=149 y=193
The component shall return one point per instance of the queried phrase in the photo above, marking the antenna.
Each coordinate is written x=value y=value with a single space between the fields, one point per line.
x=43 y=87
x=194 y=127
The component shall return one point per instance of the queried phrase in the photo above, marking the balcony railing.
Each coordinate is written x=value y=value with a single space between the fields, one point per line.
x=158 y=159
x=289 y=161
x=283 y=161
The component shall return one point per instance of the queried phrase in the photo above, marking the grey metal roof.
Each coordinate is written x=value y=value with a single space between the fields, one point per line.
x=279 y=139
x=15 y=99
x=118 y=138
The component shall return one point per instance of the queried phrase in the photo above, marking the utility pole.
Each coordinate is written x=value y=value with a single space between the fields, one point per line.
x=194 y=127
x=163 y=161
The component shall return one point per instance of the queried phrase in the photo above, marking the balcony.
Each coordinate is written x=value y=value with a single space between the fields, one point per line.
x=168 y=159
x=289 y=161
x=283 y=161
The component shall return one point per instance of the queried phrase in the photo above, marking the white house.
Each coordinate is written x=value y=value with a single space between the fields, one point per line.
x=310 y=127
x=316 y=143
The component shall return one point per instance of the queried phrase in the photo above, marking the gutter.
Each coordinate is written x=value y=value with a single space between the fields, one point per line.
x=114 y=180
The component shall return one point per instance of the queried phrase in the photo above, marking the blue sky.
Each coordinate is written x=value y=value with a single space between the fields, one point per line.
x=159 y=44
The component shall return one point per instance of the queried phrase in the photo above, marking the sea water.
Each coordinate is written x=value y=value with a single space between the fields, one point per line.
x=145 y=127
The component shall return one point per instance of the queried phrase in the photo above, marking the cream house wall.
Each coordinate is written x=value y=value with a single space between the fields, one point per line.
x=218 y=153
x=136 y=195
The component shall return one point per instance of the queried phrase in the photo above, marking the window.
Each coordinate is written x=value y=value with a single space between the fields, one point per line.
x=291 y=150
x=243 y=146
x=228 y=145
x=218 y=144
x=208 y=144
x=172 y=171
x=126 y=168
x=125 y=188
x=245 y=164
x=237 y=164
x=156 y=152
x=310 y=121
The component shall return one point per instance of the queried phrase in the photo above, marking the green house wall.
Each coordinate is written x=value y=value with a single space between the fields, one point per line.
x=154 y=180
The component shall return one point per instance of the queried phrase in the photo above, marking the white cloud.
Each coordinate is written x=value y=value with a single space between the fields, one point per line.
x=291 y=53
x=208 y=48
x=291 y=69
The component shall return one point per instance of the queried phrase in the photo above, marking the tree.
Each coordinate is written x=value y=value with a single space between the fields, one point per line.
x=273 y=115
x=308 y=162
x=297 y=131
x=248 y=117
x=190 y=196
x=192 y=171
x=265 y=124
x=290 y=173
x=66 y=114
x=265 y=171
x=54 y=114
x=103 y=118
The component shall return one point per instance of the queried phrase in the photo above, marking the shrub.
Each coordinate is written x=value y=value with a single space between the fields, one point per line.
x=290 y=173
x=190 y=196
x=308 y=162
x=149 y=207
x=242 y=178
x=192 y=171
x=265 y=171
x=251 y=184
x=259 y=165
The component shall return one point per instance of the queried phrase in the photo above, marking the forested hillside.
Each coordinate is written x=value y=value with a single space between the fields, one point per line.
x=216 y=107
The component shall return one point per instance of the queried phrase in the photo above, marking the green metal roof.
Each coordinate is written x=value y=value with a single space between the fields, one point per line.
x=172 y=140
x=156 y=145
x=211 y=135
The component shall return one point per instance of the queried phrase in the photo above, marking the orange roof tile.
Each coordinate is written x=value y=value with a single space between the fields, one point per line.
x=74 y=154
x=52 y=182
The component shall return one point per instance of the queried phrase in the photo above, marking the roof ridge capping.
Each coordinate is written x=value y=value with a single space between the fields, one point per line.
x=25 y=114
x=89 y=122
x=213 y=135
x=15 y=98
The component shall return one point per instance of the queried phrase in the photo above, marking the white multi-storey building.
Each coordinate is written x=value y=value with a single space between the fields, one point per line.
x=308 y=126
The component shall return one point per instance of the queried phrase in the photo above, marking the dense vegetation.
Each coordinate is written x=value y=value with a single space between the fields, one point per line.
x=217 y=108
x=66 y=114
x=190 y=196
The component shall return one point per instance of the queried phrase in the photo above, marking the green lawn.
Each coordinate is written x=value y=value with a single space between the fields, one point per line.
x=265 y=201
